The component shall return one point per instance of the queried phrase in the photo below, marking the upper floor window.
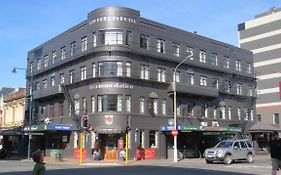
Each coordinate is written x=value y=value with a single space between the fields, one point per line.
x=227 y=86
x=63 y=53
x=202 y=56
x=155 y=106
x=249 y=68
x=259 y=117
x=144 y=72
x=141 y=104
x=176 y=49
x=239 y=113
x=190 y=51
x=275 y=119
x=71 y=76
x=128 y=37
x=53 y=79
x=252 y=114
x=111 y=36
x=84 y=43
x=250 y=90
x=226 y=62
x=214 y=59
x=110 y=68
x=38 y=64
x=62 y=78
x=83 y=72
x=128 y=69
x=216 y=83
x=94 y=37
x=144 y=41
x=46 y=61
x=190 y=77
x=31 y=67
x=73 y=48
x=84 y=105
x=37 y=87
x=94 y=68
x=239 y=88
x=160 y=45
x=54 y=57
x=128 y=103
x=229 y=112
x=164 y=104
x=161 y=75
x=108 y=103
x=176 y=76
x=93 y=104
x=238 y=65
x=45 y=83
x=203 y=80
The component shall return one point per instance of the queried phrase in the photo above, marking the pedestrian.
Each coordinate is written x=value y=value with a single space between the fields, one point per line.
x=275 y=152
x=39 y=167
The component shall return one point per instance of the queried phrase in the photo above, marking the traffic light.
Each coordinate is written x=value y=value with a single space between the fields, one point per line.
x=84 y=121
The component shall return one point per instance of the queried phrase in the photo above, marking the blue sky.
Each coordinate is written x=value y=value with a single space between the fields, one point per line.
x=29 y=23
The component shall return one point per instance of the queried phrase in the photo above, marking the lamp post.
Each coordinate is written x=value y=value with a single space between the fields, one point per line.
x=15 y=69
x=175 y=107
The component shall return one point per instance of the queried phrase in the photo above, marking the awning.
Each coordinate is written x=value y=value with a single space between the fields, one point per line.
x=10 y=132
x=263 y=127
x=201 y=128
x=50 y=127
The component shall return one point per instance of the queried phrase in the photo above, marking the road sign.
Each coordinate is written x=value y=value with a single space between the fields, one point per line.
x=175 y=132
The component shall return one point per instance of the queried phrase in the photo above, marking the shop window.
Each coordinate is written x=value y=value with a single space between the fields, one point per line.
x=152 y=138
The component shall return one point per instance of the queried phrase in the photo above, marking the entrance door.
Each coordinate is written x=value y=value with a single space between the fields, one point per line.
x=111 y=147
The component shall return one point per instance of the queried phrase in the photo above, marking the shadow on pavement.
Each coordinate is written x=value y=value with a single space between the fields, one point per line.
x=129 y=170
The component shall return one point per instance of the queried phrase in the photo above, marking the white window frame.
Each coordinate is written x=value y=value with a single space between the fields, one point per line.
x=202 y=56
x=119 y=68
x=84 y=43
x=93 y=104
x=238 y=65
x=119 y=103
x=178 y=76
x=160 y=45
x=164 y=105
x=229 y=112
x=128 y=103
x=214 y=59
x=128 y=69
x=142 y=101
x=63 y=53
x=83 y=71
x=203 y=80
x=239 y=88
x=226 y=62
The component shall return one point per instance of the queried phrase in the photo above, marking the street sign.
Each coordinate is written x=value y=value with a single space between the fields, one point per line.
x=175 y=132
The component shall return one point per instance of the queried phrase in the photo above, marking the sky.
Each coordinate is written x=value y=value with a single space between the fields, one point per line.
x=26 y=24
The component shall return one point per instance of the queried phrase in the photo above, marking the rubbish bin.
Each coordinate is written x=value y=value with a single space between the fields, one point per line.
x=59 y=157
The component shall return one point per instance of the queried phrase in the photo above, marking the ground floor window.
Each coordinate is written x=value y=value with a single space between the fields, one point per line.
x=152 y=138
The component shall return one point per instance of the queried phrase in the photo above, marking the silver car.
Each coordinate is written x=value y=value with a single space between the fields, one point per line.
x=230 y=150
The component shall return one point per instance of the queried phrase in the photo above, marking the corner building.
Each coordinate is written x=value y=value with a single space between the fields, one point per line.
x=117 y=68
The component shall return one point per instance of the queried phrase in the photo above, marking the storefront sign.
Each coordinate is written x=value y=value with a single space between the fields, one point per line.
x=45 y=127
x=112 y=18
x=111 y=85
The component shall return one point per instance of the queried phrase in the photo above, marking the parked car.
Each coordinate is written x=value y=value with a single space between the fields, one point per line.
x=230 y=150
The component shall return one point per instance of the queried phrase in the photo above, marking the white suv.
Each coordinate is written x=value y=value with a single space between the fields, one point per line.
x=230 y=150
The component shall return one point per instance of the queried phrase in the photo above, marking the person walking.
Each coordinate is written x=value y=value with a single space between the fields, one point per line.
x=275 y=152
x=39 y=167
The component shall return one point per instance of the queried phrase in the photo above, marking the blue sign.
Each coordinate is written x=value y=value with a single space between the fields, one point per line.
x=169 y=128
x=60 y=127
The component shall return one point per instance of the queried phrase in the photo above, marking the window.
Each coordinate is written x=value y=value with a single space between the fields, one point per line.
x=216 y=83
x=176 y=49
x=110 y=68
x=259 y=117
x=252 y=114
x=152 y=138
x=239 y=113
x=46 y=61
x=53 y=81
x=144 y=40
x=239 y=88
x=128 y=103
x=71 y=76
x=204 y=112
x=128 y=37
x=84 y=43
x=94 y=37
x=111 y=37
x=94 y=69
x=54 y=57
x=215 y=112
x=176 y=77
x=93 y=104
x=226 y=62
x=61 y=109
x=238 y=65
x=142 y=138
x=214 y=59
x=250 y=90
x=76 y=106
x=45 y=83
x=141 y=104
x=84 y=105
x=155 y=106
x=247 y=112
x=229 y=113
x=243 y=144
x=190 y=109
x=227 y=85
x=51 y=110
x=161 y=75
x=249 y=68
x=128 y=69
x=37 y=86
x=222 y=112
x=31 y=67
x=202 y=56
x=144 y=74
x=107 y=103
x=275 y=119
x=203 y=80
x=190 y=51
x=164 y=104
x=38 y=64
x=190 y=77
x=62 y=78
x=62 y=53
x=73 y=48
x=83 y=70
x=160 y=45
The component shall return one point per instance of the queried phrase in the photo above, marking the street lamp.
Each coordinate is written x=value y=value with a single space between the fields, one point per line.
x=175 y=107
x=15 y=70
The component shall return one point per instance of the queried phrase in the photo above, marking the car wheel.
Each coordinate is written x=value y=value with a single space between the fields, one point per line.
x=250 y=158
x=227 y=159
x=208 y=161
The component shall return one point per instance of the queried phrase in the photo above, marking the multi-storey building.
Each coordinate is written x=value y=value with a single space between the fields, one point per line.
x=262 y=36
x=116 y=67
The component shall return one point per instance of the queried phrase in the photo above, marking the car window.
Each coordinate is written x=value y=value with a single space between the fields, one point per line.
x=236 y=144
x=250 y=145
x=243 y=144
x=224 y=144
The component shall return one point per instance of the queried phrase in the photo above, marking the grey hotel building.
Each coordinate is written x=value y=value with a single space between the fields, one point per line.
x=117 y=68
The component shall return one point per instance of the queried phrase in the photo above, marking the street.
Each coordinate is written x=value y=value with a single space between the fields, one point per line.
x=261 y=166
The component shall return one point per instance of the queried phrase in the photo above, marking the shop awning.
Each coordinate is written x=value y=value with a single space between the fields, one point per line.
x=201 y=128
x=11 y=132
x=50 y=127
x=263 y=127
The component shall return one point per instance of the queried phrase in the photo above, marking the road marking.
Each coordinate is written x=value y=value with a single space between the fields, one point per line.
x=248 y=166
x=101 y=164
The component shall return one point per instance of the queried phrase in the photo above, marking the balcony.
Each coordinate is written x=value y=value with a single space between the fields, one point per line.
x=194 y=90
x=47 y=92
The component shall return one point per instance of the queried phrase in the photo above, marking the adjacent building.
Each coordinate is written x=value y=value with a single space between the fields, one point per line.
x=117 y=68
